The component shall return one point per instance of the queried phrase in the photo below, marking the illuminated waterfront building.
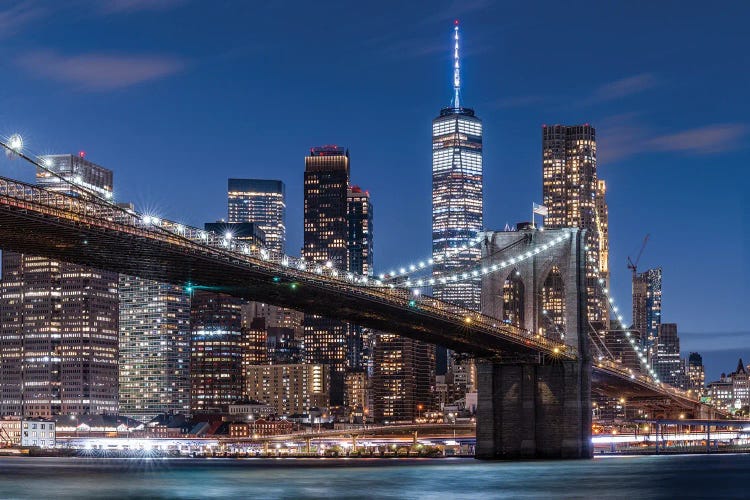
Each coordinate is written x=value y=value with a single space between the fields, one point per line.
x=217 y=345
x=289 y=389
x=262 y=202
x=154 y=348
x=403 y=378
x=58 y=321
x=574 y=197
x=456 y=197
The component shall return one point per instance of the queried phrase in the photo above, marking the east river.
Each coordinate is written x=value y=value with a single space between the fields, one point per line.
x=634 y=478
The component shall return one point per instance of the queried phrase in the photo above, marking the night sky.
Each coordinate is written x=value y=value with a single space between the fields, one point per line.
x=177 y=96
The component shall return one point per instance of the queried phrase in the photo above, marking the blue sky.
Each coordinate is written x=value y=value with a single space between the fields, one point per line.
x=177 y=96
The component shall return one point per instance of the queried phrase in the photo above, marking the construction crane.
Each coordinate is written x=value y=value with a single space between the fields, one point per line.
x=633 y=266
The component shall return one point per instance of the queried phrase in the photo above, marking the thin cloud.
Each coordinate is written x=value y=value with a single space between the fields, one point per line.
x=621 y=88
x=100 y=72
x=14 y=19
x=517 y=101
x=625 y=135
x=703 y=140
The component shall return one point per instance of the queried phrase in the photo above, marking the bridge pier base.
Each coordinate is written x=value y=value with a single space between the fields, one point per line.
x=534 y=410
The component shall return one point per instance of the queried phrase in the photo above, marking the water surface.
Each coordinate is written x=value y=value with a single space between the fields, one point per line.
x=693 y=476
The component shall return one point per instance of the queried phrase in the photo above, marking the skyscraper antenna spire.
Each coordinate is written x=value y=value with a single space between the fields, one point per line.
x=456 y=68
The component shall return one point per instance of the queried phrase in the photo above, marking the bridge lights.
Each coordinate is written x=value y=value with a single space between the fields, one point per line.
x=293 y=286
x=15 y=142
x=467 y=320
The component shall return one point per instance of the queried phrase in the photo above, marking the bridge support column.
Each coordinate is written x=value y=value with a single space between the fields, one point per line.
x=534 y=410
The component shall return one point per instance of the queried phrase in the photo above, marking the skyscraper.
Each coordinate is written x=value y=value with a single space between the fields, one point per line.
x=696 y=373
x=360 y=241
x=666 y=361
x=574 y=197
x=360 y=261
x=647 y=307
x=58 y=321
x=456 y=196
x=217 y=346
x=263 y=202
x=326 y=237
x=326 y=225
x=154 y=348
x=403 y=378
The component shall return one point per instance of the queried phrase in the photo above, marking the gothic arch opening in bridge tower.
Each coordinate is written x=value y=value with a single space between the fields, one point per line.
x=513 y=299
x=552 y=312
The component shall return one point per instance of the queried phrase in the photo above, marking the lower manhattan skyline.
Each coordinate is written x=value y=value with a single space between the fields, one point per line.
x=666 y=130
x=469 y=229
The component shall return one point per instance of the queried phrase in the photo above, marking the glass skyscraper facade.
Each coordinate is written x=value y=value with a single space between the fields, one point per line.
x=263 y=202
x=58 y=321
x=217 y=345
x=574 y=197
x=326 y=236
x=457 y=199
x=154 y=348
x=647 y=307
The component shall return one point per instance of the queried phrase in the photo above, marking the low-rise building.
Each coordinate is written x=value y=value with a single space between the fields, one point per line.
x=38 y=432
x=260 y=428
x=10 y=432
x=241 y=410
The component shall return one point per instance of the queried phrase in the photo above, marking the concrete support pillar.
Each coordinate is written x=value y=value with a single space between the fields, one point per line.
x=534 y=410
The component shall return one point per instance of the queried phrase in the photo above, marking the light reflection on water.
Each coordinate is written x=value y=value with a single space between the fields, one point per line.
x=696 y=476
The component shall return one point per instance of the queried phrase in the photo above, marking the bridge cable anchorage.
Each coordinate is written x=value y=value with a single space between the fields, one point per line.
x=621 y=326
x=477 y=272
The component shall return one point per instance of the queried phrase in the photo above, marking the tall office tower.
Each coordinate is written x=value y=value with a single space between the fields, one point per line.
x=456 y=197
x=666 y=361
x=696 y=373
x=326 y=224
x=154 y=348
x=326 y=236
x=58 y=321
x=571 y=193
x=262 y=202
x=217 y=346
x=647 y=307
x=359 y=214
x=403 y=378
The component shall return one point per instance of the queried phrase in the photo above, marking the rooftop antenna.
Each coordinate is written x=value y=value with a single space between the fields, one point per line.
x=456 y=68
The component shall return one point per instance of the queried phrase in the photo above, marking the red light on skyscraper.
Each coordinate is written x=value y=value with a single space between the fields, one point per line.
x=82 y=154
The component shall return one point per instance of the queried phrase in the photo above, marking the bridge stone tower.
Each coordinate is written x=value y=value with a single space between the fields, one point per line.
x=536 y=406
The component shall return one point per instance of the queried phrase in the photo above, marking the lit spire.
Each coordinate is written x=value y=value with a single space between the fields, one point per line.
x=456 y=69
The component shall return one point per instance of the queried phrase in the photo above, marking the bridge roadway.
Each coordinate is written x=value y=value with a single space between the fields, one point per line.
x=95 y=233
